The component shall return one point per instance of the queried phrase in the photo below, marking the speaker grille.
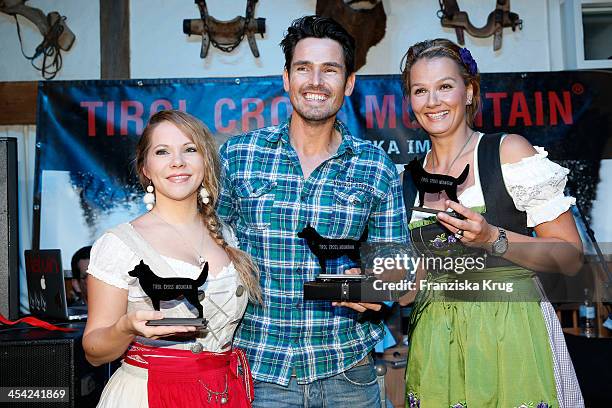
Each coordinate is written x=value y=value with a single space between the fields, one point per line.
x=38 y=358
x=9 y=247
x=38 y=364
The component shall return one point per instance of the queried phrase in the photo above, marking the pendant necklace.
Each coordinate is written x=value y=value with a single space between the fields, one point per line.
x=199 y=258
x=433 y=158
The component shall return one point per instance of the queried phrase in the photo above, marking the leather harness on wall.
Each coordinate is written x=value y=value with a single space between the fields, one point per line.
x=226 y=35
x=452 y=17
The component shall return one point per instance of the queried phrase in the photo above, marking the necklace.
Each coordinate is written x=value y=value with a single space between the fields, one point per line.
x=433 y=158
x=199 y=258
x=219 y=396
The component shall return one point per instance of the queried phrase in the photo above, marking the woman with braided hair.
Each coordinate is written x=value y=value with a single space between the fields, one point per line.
x=172 y=366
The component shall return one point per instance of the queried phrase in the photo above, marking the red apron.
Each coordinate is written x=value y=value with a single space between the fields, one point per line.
x=182 y=378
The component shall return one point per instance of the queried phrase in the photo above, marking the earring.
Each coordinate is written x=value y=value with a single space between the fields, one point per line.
x=149 y=197
x=204 y=195
x=469 y=101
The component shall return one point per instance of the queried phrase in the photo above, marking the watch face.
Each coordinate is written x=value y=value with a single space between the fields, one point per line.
x=500 y=246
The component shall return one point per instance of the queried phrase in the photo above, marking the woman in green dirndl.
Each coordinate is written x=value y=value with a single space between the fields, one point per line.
x=482 y=333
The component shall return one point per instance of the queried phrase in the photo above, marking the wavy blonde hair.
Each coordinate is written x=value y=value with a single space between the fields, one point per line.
x=194 y=129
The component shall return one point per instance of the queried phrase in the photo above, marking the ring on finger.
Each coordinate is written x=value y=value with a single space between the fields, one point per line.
x=459 y=234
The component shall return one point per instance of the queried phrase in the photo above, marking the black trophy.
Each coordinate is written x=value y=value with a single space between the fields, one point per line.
x=355 y=288
x=159 y=289
x=334 y=287
x=327 y=248
x=426 y=182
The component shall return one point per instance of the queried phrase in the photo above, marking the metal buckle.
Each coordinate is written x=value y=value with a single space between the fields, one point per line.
x=197 y=348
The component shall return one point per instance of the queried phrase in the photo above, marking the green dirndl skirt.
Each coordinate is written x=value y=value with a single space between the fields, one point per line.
x=480 y=348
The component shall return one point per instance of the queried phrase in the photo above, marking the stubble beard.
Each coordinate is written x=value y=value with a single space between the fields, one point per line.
x=316 y=115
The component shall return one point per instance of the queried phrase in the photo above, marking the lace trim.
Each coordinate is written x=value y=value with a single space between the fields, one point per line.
x=543 y=200
x=413 y=401
x=549 y=211
x=531 y=404
x=529 y=196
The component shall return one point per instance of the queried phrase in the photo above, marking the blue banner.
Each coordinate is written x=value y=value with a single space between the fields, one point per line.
x=87 y=131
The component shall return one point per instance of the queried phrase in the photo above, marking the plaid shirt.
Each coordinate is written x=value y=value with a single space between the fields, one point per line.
x=265 y=197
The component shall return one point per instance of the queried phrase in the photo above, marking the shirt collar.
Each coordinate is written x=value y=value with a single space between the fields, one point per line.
x=349 y=142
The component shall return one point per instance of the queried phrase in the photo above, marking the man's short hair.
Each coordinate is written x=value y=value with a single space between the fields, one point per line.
x=318 y=27
x=83 y=253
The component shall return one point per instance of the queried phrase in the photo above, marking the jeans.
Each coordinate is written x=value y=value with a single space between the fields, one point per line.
x=354 y=388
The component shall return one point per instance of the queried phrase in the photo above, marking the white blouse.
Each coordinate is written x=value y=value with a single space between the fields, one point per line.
x=536 y=185
x=224 y=303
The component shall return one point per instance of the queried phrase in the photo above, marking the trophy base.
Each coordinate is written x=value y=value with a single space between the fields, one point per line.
x=433 y=211
x=174 y=321
x=347 y=288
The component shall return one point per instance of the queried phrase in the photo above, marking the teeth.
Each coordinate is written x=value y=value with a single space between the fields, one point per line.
x=315 y=97
x=438 y=115
x=178 y=178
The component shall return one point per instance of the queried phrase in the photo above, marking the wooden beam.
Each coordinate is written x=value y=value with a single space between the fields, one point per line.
x=115 y=39
x=18 y=103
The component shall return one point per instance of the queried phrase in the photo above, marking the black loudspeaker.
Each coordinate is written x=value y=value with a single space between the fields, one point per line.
x=9 y=232
x=42 y=358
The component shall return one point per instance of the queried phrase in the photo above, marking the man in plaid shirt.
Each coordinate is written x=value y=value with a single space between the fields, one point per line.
x=309 y=170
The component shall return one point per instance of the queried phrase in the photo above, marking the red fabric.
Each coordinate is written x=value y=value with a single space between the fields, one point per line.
x=181 y=378
x=32 y=321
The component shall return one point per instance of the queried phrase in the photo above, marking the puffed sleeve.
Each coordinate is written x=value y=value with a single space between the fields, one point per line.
x=536 y=185
x=111 y=260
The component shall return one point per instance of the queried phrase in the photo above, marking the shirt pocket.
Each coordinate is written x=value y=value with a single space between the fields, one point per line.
x=352 y=207
x=256 y=199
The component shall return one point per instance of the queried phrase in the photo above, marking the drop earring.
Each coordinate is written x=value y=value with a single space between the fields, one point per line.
x=149 y=197
x=204 y=195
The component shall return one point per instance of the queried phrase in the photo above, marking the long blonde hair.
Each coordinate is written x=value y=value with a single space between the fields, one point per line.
x=205 y=143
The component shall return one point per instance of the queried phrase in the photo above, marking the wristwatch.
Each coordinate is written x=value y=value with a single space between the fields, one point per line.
x=500 y=245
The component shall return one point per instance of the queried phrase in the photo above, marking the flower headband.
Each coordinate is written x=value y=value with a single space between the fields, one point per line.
x=468 y=60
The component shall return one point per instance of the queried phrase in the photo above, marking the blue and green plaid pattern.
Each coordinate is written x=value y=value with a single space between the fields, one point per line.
x=267 y=200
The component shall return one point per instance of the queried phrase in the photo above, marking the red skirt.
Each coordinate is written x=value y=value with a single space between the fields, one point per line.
x=182 y=378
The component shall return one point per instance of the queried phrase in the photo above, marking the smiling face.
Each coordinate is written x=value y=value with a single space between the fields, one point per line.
x=317 y=80
x=438 y=95
x=173 y=164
